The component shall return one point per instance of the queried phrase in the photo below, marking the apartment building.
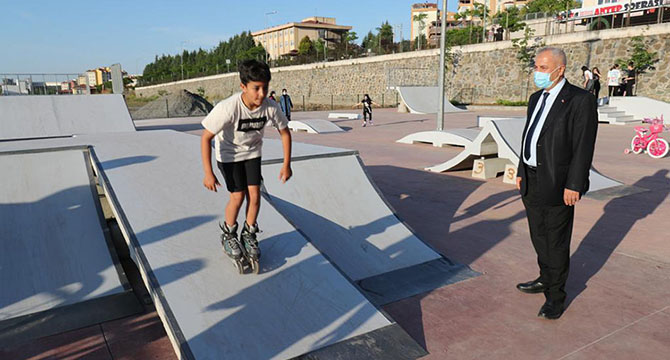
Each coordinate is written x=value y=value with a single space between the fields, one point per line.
x=284 y=39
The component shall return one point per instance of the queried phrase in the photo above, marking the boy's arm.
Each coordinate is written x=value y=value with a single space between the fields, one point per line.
x=210 y=181
x=285 y=173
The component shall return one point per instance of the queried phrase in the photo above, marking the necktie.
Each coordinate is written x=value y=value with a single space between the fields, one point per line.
x=531 y=130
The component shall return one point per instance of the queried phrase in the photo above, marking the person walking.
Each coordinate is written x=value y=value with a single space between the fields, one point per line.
x=366 y=103
x=588 y=79
x=613 y=80
x=558 y=142
x=286 y=104
x=596 y=81
x=272 y=96
x=630 y=79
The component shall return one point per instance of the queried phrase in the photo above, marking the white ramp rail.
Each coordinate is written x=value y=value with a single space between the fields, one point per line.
x=424 y=100
x=348 y=116
x=503 y=137
x=314 y=126
x=23 y=117
x=452 y=137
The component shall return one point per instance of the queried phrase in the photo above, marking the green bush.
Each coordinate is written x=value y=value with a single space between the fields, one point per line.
x=511 y=103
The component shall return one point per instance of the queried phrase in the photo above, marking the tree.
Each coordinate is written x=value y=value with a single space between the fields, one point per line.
x=643 y=60
x=510 y=20
x=349 y=37
x=526 y=51
x=421 y=19
x=385 y=37
x=369 y=41
x=319 y=47
x=421 y=39
x=550 y=6
x=306 y=47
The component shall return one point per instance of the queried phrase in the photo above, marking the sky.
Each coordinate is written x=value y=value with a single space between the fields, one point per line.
x=72 y=36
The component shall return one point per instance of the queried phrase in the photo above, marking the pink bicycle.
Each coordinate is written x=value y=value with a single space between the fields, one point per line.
x=649 y=139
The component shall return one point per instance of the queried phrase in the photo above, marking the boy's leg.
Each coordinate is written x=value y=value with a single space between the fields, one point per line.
x=234 y=175
x=253 y=203
x=253 y=193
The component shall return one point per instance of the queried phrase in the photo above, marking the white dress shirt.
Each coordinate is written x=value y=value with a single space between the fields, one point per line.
x=553 y=94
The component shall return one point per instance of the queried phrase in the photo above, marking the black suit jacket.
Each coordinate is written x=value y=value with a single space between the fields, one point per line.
x=565 y=146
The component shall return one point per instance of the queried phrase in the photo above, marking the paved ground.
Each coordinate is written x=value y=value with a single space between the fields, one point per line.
x=619 y=300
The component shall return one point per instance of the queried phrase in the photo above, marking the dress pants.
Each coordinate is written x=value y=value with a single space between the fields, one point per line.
x=550 y=231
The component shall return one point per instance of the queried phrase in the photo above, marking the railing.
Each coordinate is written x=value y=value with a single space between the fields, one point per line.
x=44 y=84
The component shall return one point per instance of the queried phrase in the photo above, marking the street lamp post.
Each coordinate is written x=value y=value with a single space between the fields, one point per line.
x=267 y=15
x=440 y=80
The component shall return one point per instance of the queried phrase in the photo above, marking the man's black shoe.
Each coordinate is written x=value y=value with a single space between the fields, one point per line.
x=551 y=310
x=532 y=287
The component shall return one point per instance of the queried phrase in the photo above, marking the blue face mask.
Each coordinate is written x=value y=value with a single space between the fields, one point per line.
x=543 y=80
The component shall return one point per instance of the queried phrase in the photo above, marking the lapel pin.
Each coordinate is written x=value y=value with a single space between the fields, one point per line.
x=563 y=101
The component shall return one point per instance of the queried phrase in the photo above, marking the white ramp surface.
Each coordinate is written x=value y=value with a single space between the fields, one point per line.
x=314 y=126
x=299 y=303
x=424 y=99
x=23 y=117
x=504 y=138
x=453 y=137
x=332 y=200
x=53 y=251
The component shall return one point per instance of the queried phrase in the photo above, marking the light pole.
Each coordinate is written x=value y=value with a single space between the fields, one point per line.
x=440 y=80
x=484 y=27
x=267 y=16
x=181 y=59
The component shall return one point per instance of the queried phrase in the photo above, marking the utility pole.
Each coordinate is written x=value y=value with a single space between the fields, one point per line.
x=181 y=58
x=484 y=25
x=265 y=35
x=440 y=80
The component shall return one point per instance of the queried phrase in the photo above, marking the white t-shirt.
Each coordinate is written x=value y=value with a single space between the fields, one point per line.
x=588 y=75
x=239 y=131
x=613 y=77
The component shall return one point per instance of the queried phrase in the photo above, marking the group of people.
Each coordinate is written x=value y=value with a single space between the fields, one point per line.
x=618 y=82
x=284 y=101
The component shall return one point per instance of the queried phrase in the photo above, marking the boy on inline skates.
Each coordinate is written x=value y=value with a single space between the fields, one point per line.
x=237 y=125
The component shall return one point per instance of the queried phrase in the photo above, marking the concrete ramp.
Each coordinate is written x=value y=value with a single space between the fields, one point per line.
x=332 y=201
x=348 y=116
x=424 y=100
x=24 y=117
x=58 y=271
x=452 y=137
x=503 y=137
x=314 y=126
x=301 y=304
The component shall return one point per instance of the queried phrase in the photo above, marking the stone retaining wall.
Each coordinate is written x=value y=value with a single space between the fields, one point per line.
x=486 y=72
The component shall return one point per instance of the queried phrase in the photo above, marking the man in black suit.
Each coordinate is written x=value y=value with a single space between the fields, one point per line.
x=553 y=173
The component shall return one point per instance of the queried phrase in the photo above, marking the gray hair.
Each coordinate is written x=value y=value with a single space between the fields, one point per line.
x=558 y=54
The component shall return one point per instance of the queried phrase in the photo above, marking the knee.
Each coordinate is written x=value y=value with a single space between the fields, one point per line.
x=254 y=195
x=237 y=198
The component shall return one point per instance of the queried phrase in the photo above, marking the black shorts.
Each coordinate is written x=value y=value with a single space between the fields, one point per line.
x=238 y=175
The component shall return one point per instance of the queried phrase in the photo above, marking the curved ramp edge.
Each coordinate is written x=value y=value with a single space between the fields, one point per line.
x=314 y=126
x=454 y=137
x=424 y=100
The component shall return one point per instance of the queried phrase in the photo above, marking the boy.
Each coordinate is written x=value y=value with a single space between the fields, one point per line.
x=237 y=124
x=286 y=103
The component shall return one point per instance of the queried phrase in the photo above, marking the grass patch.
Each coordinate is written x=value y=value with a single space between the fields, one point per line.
x=511 y=103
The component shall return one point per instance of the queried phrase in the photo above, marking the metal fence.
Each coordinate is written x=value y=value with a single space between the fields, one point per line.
x=44 y=84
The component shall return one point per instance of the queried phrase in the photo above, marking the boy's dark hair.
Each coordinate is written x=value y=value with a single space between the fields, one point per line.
x=282 y=90
x=254 y=70
x=584 y=68
x=631 y=64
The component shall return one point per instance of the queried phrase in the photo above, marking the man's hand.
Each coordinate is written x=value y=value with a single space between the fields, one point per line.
x=570 y=197
x=211 y=182
x=285 y=173
x=518 y=182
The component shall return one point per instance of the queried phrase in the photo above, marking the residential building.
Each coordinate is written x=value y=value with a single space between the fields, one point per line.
x=494 y=6
x=91 y=78
x=435 y=28
x=284 y=39
x=432 y=14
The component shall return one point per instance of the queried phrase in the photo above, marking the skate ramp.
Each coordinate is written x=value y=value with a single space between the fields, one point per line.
x=59 y=271
x=451 y=137
x=424 y=100
x=332 y=200
x=348 y=116
x=24 y=117
x=503 y=137
x=300 y=304
x=314 y=126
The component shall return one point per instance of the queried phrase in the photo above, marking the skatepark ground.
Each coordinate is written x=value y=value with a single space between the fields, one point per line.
x=619 y=301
